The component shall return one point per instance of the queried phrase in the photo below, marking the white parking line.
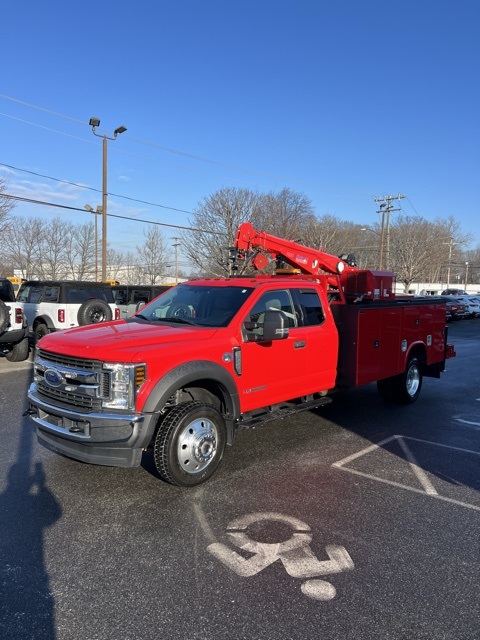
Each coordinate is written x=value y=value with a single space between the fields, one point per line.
x=471 y=423
x=427 y=487
x=417 y=470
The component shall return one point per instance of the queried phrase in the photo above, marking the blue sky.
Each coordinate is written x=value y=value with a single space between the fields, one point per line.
x=342 y=101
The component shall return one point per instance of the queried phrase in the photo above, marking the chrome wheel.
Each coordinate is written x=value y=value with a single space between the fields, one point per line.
x=189 y=443
x=412 y=381
x=197 y=445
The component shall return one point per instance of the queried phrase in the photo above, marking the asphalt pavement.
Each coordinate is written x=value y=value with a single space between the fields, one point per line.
x=357 y=521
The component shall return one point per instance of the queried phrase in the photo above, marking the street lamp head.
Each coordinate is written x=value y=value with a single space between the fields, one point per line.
x=94 y=122
x=88 y=208
x=121 y=129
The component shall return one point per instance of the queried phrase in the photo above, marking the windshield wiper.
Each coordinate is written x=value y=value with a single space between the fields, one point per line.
x=166 y=319
x=176 y=319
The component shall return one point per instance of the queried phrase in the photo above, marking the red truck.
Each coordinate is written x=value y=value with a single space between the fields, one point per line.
x=210 y=356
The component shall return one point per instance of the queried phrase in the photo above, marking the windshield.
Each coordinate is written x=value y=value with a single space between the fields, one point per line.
x=206 y=306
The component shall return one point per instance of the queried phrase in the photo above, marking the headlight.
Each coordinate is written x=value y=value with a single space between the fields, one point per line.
x=125 y=381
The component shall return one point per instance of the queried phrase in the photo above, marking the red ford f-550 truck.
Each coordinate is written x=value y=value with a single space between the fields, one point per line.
x=212 y=355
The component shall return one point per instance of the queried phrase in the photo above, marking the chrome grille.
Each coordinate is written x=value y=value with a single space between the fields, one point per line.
x=80 y=401
x=82 y=383
x=69 y=361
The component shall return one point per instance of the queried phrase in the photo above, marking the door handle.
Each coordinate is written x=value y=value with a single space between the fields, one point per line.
x=299 y=344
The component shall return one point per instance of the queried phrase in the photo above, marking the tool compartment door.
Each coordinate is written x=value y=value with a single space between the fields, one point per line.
x=370 y=342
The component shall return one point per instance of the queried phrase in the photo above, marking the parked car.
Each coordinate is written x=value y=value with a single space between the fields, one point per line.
x=130 y=298
x=456 y=310
x=453 y=292
x=473 y=305
x=50 y=305
x=13 y=325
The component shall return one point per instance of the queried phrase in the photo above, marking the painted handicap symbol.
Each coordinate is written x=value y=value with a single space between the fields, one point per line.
x=295 y=554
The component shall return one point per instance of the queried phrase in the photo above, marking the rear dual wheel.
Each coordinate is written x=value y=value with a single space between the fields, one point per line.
x=404 y=388
x=189 y=444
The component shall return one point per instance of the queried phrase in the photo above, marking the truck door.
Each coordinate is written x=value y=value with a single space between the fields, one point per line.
x=281 y=369
x=321 y=339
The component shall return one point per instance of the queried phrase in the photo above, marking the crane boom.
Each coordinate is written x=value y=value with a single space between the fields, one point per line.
x=309 y=261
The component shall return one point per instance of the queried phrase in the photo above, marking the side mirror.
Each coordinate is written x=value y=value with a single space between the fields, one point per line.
x=273 y=327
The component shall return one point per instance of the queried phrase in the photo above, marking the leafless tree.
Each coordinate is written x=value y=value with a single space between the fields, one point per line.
x=115 y=264
x=6 y=206
x=471 y=260
x=420 y=250
x=80 y=252
x=216 y=220
x=152 y=254
x=23 y=239
x=284 y=214
x=332 y=235
x=53 y=264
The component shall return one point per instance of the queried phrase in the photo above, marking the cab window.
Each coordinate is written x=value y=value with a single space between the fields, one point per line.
x=278 y=300
x=310 y=307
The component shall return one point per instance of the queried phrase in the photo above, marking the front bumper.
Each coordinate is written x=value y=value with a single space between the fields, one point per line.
x=112 y=439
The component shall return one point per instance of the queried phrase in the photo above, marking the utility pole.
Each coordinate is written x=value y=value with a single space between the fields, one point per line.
x=176 y=245
x=451 y=243
x=386 y=208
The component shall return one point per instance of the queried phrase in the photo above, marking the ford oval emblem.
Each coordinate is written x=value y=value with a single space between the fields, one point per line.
x=53 y=377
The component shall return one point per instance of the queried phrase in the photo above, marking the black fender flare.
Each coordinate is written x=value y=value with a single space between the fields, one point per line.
x=46 y=320
x=188 y=373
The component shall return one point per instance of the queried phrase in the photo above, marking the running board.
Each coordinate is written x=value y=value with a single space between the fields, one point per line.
x=279 y=411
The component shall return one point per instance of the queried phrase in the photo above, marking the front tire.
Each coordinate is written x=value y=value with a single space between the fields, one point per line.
x=189 y=444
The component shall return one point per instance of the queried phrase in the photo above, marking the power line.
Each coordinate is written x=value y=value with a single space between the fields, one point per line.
x=110 y=215
x=82 y=186
x=177 y=151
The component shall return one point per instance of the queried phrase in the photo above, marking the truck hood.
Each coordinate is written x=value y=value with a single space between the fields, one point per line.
x=121 y=340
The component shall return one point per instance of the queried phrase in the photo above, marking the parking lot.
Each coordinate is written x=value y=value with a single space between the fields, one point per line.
x=359 y=520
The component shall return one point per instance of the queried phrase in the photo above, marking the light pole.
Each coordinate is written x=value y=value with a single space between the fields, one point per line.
x=466 y=275
x=381 y=236
x=95 y=122
x=176 y=245
x=95 y=213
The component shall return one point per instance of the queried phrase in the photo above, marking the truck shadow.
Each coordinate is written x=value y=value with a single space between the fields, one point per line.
x=27 y=508
x=421 y=434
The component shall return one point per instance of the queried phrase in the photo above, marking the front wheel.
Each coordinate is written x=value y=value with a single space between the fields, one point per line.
x=189 y=444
